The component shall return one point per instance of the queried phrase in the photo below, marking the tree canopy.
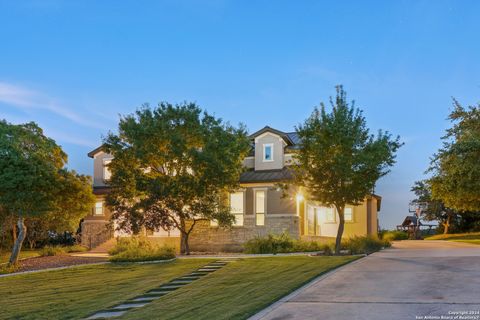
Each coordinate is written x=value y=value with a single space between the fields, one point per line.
x=455 y=168
x=339 y=161
x=432 y=209
x=35 y=182
x=172 y=167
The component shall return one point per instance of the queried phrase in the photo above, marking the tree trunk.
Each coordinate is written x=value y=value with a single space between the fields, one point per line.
x=184 y=247
x=446 y=224
x=14 y=233
x=19 y=241
x=341 y=226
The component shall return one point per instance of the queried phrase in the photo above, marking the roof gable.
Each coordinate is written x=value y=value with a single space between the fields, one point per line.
x=286 y=137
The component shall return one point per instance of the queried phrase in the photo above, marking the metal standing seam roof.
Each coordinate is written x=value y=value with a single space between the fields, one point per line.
x=266 y=176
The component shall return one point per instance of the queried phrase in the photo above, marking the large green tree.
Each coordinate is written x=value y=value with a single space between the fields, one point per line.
x=432 y=209
x=172 y=167
x=339 y=161
x=456 y=166
x=34 y=182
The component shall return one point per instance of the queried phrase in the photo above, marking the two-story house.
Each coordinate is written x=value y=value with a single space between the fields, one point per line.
x=260 y=206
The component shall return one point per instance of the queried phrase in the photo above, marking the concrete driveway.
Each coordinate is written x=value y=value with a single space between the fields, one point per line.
x=412 y=280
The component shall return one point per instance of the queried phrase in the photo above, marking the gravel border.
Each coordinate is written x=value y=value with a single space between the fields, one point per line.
x=83 y=265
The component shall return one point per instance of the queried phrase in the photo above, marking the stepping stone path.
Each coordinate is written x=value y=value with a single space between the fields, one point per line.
x=154 y=294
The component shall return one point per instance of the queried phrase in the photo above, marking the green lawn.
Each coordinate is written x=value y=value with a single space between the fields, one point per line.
x=77 y=292
x=5 y=255
x=238 y=290
x=473 y=237
x=234 y=292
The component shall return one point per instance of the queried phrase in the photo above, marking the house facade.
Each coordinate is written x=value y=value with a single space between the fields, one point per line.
x=260 y=206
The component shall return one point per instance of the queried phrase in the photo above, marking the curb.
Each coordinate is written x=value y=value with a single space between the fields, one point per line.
x=264 y=312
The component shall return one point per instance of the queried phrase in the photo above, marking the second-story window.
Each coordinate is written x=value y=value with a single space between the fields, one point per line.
x=106 y=170
x=268 y=152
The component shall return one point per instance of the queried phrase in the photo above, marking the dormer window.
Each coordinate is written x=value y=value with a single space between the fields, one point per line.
x=268 y=152
x=106 y=170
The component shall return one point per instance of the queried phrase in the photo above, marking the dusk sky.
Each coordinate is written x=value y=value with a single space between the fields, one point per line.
x=74 y=66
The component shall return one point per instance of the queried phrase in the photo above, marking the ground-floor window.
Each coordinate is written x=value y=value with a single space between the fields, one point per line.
x=348 y=214
x=237 y=207
x=260 y=199
x=98 y=210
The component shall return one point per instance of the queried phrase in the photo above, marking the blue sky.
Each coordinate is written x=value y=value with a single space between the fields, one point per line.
x=74 y=66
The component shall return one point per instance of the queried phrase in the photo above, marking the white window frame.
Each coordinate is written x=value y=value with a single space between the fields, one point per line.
x=105 y=162
x=352 y=217
x=242 y=213
x=265 y=145
x=102 y=208
x=334 y=215
x=265 y=192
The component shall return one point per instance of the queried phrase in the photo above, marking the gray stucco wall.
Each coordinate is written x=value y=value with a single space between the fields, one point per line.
x=98 y=168
x=276 y=204
x=278 y=151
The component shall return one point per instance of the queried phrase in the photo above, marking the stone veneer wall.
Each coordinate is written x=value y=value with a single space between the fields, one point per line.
x=214 y=239
x=95 y=232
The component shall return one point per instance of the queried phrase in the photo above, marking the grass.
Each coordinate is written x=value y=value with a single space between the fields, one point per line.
x=240 y=289
x=456 y=236
x=77 y=292
x=236 y=291
x=5 y=255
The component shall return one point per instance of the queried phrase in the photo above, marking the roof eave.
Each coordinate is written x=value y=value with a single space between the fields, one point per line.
x=92 y=153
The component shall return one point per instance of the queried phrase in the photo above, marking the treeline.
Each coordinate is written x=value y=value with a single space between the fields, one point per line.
x=452 y=193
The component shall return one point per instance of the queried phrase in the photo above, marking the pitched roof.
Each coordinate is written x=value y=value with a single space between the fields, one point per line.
x=92 y=153
x=282 y=134
x=266 y=176
x=410 y=220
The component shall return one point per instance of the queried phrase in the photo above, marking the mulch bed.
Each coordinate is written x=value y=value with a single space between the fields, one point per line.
x=39 y=263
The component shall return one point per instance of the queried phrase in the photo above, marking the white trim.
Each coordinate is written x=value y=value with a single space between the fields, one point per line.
x=95 y=214
x=104 y=168
x=265 y=145
x=353 y=214
x=244 y=200
x=267 y=133
x=265 y=190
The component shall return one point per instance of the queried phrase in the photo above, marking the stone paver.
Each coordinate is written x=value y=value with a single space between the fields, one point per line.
x=151 y=295
x=107 y=314
x=412 y=279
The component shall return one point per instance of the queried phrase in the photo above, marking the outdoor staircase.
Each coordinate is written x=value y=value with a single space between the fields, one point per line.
x=156 y=293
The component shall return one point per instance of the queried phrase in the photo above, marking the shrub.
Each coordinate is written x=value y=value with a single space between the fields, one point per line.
x=8 y=268
x=394 y=235
x=327 y=249
x=283 y=243
x=52 y=251
x=366 y=244
x=139 y=249
x=142 y=254
x=270 y=244
x=131 y=243
x=76 y=248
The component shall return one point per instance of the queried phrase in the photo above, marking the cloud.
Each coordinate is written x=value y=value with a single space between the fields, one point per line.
x=62 y=136
x=26 y=100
